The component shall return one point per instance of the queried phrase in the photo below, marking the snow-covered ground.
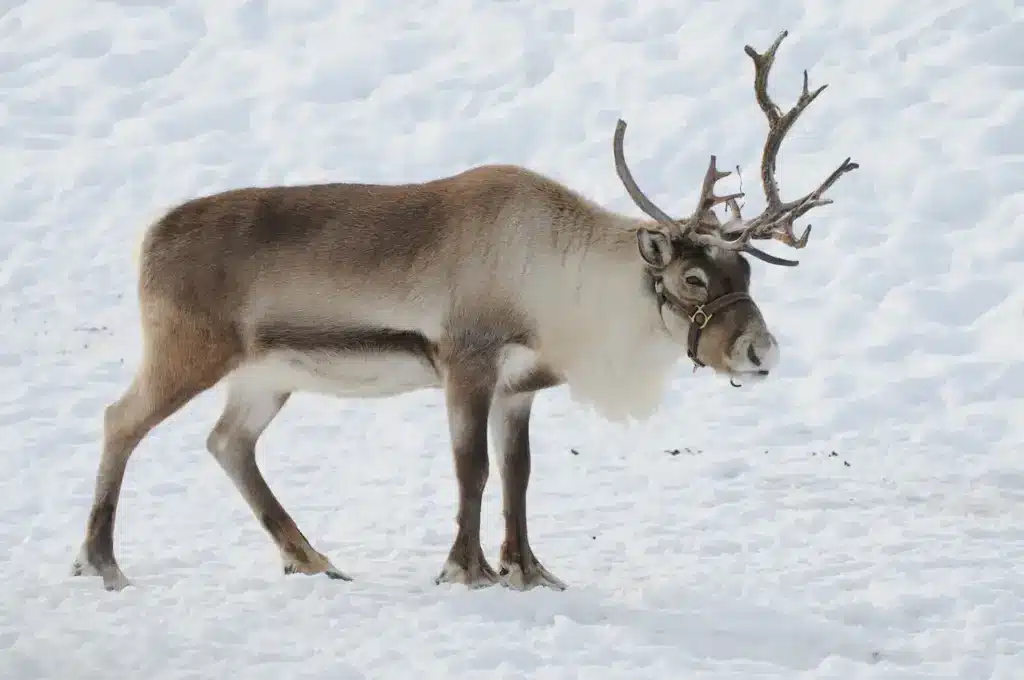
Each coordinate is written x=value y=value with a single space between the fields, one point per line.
x=857 y=516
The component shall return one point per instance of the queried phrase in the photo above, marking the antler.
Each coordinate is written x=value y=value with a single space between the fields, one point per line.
x=705 y=202
x=776 y=222
x=708 y=199
x=638 y=196
x=777 y=219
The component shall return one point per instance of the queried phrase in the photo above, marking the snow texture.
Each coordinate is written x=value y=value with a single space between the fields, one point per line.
x=856 y=516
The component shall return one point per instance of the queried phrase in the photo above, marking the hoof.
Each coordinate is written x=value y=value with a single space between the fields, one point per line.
x=116 y=582
x=318 y=565
x=113 y=578
x=337 y=575
x=535 y=575
x=78 y=568
x=478 y=575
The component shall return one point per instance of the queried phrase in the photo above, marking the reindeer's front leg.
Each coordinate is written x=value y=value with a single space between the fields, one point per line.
x=468 y=388
x=510 y=423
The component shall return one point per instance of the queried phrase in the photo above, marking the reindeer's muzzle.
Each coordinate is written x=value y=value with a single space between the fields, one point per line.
x=755 y=351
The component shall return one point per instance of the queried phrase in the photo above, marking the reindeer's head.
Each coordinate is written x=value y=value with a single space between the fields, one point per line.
x=696 y=266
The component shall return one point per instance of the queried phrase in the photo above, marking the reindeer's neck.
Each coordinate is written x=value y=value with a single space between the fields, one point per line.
x=612 y=345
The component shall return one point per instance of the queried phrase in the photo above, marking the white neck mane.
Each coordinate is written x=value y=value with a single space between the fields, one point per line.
x=605 y=333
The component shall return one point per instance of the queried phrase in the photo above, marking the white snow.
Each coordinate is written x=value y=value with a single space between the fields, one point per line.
x=855 y=516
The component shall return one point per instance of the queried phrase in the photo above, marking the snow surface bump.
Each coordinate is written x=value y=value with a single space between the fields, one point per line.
x=856 y=516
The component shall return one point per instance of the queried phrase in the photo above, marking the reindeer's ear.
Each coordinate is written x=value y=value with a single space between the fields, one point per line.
x=655 y=247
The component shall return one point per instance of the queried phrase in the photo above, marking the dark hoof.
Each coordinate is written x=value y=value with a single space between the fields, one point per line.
x=331 y=572
x=336 y=575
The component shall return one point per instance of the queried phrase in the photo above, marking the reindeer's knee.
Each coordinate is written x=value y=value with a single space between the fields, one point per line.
x=126 y=421
x=246 y=415
x=229 y=446
x=217 y=442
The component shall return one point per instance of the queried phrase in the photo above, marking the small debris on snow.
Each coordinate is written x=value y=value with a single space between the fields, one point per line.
x=833 y=454
x=685 y=449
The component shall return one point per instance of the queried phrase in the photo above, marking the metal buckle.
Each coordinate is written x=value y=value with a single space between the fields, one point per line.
x=704 y=315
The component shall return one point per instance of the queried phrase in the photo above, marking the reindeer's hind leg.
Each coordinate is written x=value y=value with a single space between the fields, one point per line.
x=249 y=409
x=183 y=355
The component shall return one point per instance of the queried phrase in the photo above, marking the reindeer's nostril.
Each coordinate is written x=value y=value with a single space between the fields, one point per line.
x=752 y=355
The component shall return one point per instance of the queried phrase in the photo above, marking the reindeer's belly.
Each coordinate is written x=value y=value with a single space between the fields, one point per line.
x=342 y=374
x=366 y=362
x=341 y=360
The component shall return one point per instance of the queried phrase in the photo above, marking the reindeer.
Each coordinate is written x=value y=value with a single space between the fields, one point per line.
x=490 y=285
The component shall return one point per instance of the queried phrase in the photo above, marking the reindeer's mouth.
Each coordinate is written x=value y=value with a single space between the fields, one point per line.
x=740 y=378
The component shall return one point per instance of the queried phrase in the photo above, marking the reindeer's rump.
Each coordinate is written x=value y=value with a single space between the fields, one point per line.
x=220 y=239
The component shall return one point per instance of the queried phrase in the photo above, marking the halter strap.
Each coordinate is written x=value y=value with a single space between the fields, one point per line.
x=699 y=315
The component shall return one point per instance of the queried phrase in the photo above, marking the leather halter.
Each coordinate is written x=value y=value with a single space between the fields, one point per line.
x=699 y=315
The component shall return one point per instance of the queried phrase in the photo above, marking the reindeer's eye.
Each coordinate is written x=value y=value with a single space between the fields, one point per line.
x=695 y=281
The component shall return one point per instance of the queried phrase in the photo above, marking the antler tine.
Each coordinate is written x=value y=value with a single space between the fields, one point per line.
x=762 y=66
x=779 y=123
x=777 y=219
x=704 y=215
x=814 y=198
x=735 y=223
x=708 y=199
x=794 y=209
x=638 y=196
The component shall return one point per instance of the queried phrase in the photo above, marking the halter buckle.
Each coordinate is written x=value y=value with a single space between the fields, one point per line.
x=706 y=318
